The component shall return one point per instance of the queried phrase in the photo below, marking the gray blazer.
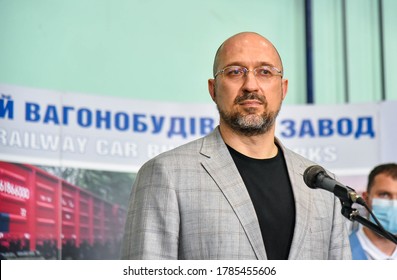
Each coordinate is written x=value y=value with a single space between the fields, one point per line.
x=191 y=203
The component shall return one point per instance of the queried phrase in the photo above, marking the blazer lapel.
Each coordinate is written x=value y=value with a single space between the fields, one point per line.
x=220 y=165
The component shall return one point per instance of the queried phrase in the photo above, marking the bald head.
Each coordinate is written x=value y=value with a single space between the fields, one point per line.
x=242 y=40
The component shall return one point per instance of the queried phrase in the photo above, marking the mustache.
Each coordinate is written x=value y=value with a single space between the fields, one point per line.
x=250 y=96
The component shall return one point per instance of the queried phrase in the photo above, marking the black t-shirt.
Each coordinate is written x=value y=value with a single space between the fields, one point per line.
x=269 y=187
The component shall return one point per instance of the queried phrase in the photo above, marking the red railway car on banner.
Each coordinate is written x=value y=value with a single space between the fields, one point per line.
x=44 y=216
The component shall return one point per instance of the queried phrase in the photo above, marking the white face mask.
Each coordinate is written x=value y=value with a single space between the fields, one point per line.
x=385 y=211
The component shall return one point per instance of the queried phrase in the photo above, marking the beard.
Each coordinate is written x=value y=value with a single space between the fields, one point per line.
x=249 y=123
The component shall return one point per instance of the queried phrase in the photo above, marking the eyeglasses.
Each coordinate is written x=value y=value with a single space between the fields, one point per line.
x=237 y=72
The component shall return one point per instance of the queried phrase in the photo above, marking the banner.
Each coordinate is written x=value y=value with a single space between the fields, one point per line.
x=65 y=129
x=67 y=160
x=84 y=131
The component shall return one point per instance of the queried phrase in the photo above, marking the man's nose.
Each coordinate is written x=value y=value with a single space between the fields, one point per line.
x=250 y=82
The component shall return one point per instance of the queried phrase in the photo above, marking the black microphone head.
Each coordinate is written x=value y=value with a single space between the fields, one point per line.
x=310 y=175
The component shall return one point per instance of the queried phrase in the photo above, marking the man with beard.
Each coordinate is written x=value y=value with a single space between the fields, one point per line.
x=236 y=193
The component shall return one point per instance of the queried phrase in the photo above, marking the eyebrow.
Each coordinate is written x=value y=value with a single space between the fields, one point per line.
x=237 y=63
x=259 y=63
x=384 y=190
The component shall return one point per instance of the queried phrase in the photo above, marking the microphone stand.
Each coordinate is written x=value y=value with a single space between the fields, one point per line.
x=353 y=215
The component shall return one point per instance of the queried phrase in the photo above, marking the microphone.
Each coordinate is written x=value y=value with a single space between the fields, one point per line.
x=316 y=177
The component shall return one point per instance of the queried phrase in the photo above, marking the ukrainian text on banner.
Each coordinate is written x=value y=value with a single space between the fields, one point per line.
x=84 y=131
x=43 y=127
x=345 y=138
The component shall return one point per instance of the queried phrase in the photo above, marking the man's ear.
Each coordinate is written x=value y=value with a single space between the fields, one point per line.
x=211 y=88
x=284 y=84
x=365 y=196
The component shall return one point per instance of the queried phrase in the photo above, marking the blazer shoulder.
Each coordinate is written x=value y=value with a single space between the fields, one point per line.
x=192 y=149
x=179 y=156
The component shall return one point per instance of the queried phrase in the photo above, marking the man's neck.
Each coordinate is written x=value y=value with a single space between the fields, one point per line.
x=258 y=146
x=383 y=244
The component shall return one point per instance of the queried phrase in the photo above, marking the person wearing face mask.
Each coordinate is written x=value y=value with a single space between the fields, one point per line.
x=381 y=197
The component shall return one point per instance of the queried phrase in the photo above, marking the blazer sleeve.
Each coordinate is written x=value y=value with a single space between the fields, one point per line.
x=152 y=224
